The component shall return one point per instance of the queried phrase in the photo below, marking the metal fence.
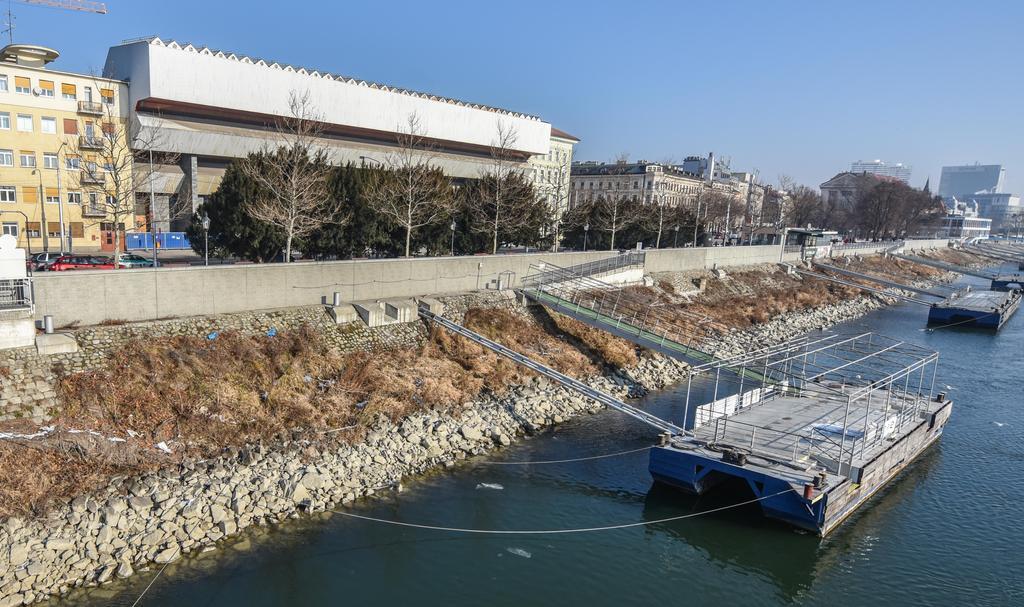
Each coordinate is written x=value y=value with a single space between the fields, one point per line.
x=15 y=293
x=850 y=393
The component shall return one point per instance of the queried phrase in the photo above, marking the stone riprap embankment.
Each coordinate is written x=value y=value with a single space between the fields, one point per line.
x=157 y=518
x=160 y=517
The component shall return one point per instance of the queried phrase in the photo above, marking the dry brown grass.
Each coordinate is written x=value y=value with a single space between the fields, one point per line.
x=773 y=295
x=611 y=350
x=201 y=396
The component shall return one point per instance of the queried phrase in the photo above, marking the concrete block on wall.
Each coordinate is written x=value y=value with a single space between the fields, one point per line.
x=56 y=343
x=371 y=312
x=431 y=305
x=343 y=314
x=401 y=310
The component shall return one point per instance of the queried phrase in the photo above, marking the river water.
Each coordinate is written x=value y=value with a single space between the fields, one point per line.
x=948 y=531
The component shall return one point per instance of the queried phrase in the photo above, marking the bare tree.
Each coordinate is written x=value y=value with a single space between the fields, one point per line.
x=498 y=210
x=554 y=185
x=412 y=192
x=111 y=172
x=614 y=214
x=293 y=179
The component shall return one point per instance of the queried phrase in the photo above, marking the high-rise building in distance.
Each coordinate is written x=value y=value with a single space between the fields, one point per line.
x=964 y=180
x=897 y=170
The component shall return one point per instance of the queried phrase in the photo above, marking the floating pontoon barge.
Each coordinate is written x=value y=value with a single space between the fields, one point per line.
x=983 y=309
x=834 y=420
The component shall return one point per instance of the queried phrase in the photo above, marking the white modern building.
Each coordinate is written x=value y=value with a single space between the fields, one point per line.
x=205 y=107
x=896 y=170
x=962 y=181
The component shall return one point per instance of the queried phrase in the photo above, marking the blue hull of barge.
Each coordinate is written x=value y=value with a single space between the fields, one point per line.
x=966 y=318
x=695 y=474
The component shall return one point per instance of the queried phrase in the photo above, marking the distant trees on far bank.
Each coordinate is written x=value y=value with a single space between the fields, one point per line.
x=879 y=209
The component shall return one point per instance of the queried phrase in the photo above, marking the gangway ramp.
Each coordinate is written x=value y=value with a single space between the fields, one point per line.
x=561 y=378
x=856 y=285
x=880 y=280
x=941 y=265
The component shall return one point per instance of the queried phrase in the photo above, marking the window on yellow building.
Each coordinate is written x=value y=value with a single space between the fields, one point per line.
x=70 y=126
x=6 y=158
x=5 y=121
x=50 y=160
x=22 y=85
x=32 y=229
x=107 y=95
x=74 y=198
x=72 y=163
x=3 y=83
x=8 y=193
x=9 y=227
x=52 y=195
x=46 y=88
x=77 y=229
x=28 y=159
x=25 y=123
x=68 y=91
x=53 y=229
x=48 y=125
x=29 y=194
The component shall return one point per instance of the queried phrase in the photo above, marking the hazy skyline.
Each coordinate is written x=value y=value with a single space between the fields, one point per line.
x=803 y=90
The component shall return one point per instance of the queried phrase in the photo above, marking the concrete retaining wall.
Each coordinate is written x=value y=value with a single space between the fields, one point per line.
x=90 y=297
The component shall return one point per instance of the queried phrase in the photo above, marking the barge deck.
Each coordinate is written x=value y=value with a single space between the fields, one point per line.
x=982 y=309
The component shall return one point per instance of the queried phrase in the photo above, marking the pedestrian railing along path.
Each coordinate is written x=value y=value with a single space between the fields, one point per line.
x=627 y=313
x=561 y=378
x=623 y=261
x=15 y=294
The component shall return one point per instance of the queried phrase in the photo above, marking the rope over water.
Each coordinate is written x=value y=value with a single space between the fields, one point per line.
x=562 y=461
x=558 y=531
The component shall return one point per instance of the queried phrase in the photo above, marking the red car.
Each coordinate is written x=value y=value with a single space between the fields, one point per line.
x=82 y=262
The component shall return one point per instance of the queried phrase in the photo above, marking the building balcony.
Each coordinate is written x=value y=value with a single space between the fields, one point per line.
x=92 y=178
x=90 y=143
x=98 y=210
x=90 y=107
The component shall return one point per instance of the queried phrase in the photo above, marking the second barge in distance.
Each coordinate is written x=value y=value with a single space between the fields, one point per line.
x=983 y=309
x=829 y=422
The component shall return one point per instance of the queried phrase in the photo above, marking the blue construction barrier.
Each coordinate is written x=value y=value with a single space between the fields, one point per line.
x=136 y=241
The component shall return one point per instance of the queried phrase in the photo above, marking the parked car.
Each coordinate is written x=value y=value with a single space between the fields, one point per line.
x=82 y=262
x=131 y=260
x=40 y=262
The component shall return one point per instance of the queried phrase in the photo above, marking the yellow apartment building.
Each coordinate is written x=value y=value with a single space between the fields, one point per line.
x=61 y=135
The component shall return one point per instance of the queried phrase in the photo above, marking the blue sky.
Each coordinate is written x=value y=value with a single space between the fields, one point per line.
x=801 y=88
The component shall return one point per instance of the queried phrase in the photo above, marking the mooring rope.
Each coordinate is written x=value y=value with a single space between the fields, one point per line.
x=930 y=329
x=557 y=531
x=561 y=461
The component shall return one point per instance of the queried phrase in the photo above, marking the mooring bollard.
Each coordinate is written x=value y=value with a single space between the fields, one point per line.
x=337 y=299
x=48 y=324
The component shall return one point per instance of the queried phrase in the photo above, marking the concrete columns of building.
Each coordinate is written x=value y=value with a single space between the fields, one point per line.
x=188 y=195
x=161 y=210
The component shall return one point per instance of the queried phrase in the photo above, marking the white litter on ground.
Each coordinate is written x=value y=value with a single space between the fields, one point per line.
x=163 y=447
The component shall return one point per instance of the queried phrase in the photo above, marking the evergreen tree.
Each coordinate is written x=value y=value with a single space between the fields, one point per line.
x=233 y=232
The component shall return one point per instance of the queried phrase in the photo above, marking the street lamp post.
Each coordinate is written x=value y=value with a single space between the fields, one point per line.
x=675 y=241
x=586 y=232
x=452 y=228
x=206 y=239
x=42 y=207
